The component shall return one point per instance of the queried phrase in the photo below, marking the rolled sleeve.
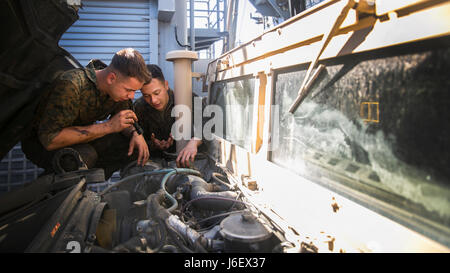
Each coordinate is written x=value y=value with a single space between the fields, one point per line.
x=61 y=111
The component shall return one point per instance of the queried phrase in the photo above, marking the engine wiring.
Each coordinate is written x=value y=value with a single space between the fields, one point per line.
x=184 y=213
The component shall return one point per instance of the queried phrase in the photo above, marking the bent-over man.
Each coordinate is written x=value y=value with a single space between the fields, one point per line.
x=72 y=104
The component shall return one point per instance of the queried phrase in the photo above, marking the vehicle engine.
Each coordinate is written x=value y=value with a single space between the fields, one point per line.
x=155 y=208
x=160 y=208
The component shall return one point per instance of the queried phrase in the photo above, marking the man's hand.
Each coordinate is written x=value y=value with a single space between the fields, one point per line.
x=162 y=144
x=122 y=120
x=138 y=142
x=188 y=153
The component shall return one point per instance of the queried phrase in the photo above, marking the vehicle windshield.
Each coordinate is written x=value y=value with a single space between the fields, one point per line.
x=380 y=126
x=236 y=99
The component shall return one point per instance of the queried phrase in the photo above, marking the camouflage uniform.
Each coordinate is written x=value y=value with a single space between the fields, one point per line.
x=73 y=99
x=159 y=122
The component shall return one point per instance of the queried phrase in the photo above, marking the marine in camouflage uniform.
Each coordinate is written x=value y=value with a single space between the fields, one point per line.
x=73 y=99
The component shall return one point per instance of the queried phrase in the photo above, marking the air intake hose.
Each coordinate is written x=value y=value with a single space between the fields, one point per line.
x=211 y=196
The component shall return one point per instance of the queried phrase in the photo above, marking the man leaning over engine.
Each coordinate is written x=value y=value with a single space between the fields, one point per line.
x=72 y=104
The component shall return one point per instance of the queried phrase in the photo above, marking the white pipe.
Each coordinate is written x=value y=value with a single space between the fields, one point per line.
x=182 y=61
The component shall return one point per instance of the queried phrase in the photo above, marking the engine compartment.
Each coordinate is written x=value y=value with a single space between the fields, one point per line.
x=158 y=208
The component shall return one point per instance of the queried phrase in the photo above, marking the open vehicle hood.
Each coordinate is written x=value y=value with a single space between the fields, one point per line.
x=29 y=59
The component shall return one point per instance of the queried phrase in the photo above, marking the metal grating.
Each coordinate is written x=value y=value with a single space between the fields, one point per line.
x=16 y=170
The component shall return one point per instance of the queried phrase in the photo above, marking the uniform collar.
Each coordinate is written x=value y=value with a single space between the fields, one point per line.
x=94 y=64
x=170 y=103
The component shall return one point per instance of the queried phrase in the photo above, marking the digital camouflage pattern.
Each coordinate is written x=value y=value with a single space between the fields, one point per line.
x=74 y=100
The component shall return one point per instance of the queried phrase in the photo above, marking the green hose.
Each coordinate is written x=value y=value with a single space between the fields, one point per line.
x=128 y=178
x=166 y=178
x=168 y=172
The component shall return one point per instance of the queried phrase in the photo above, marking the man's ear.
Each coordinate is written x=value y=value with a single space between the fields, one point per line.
x=111 y=77
x=166 y=85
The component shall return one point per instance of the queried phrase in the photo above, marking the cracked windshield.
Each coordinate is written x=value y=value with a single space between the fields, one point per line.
x=380 y=136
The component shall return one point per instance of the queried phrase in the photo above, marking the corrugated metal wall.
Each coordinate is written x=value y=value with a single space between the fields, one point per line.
x=105 y=27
